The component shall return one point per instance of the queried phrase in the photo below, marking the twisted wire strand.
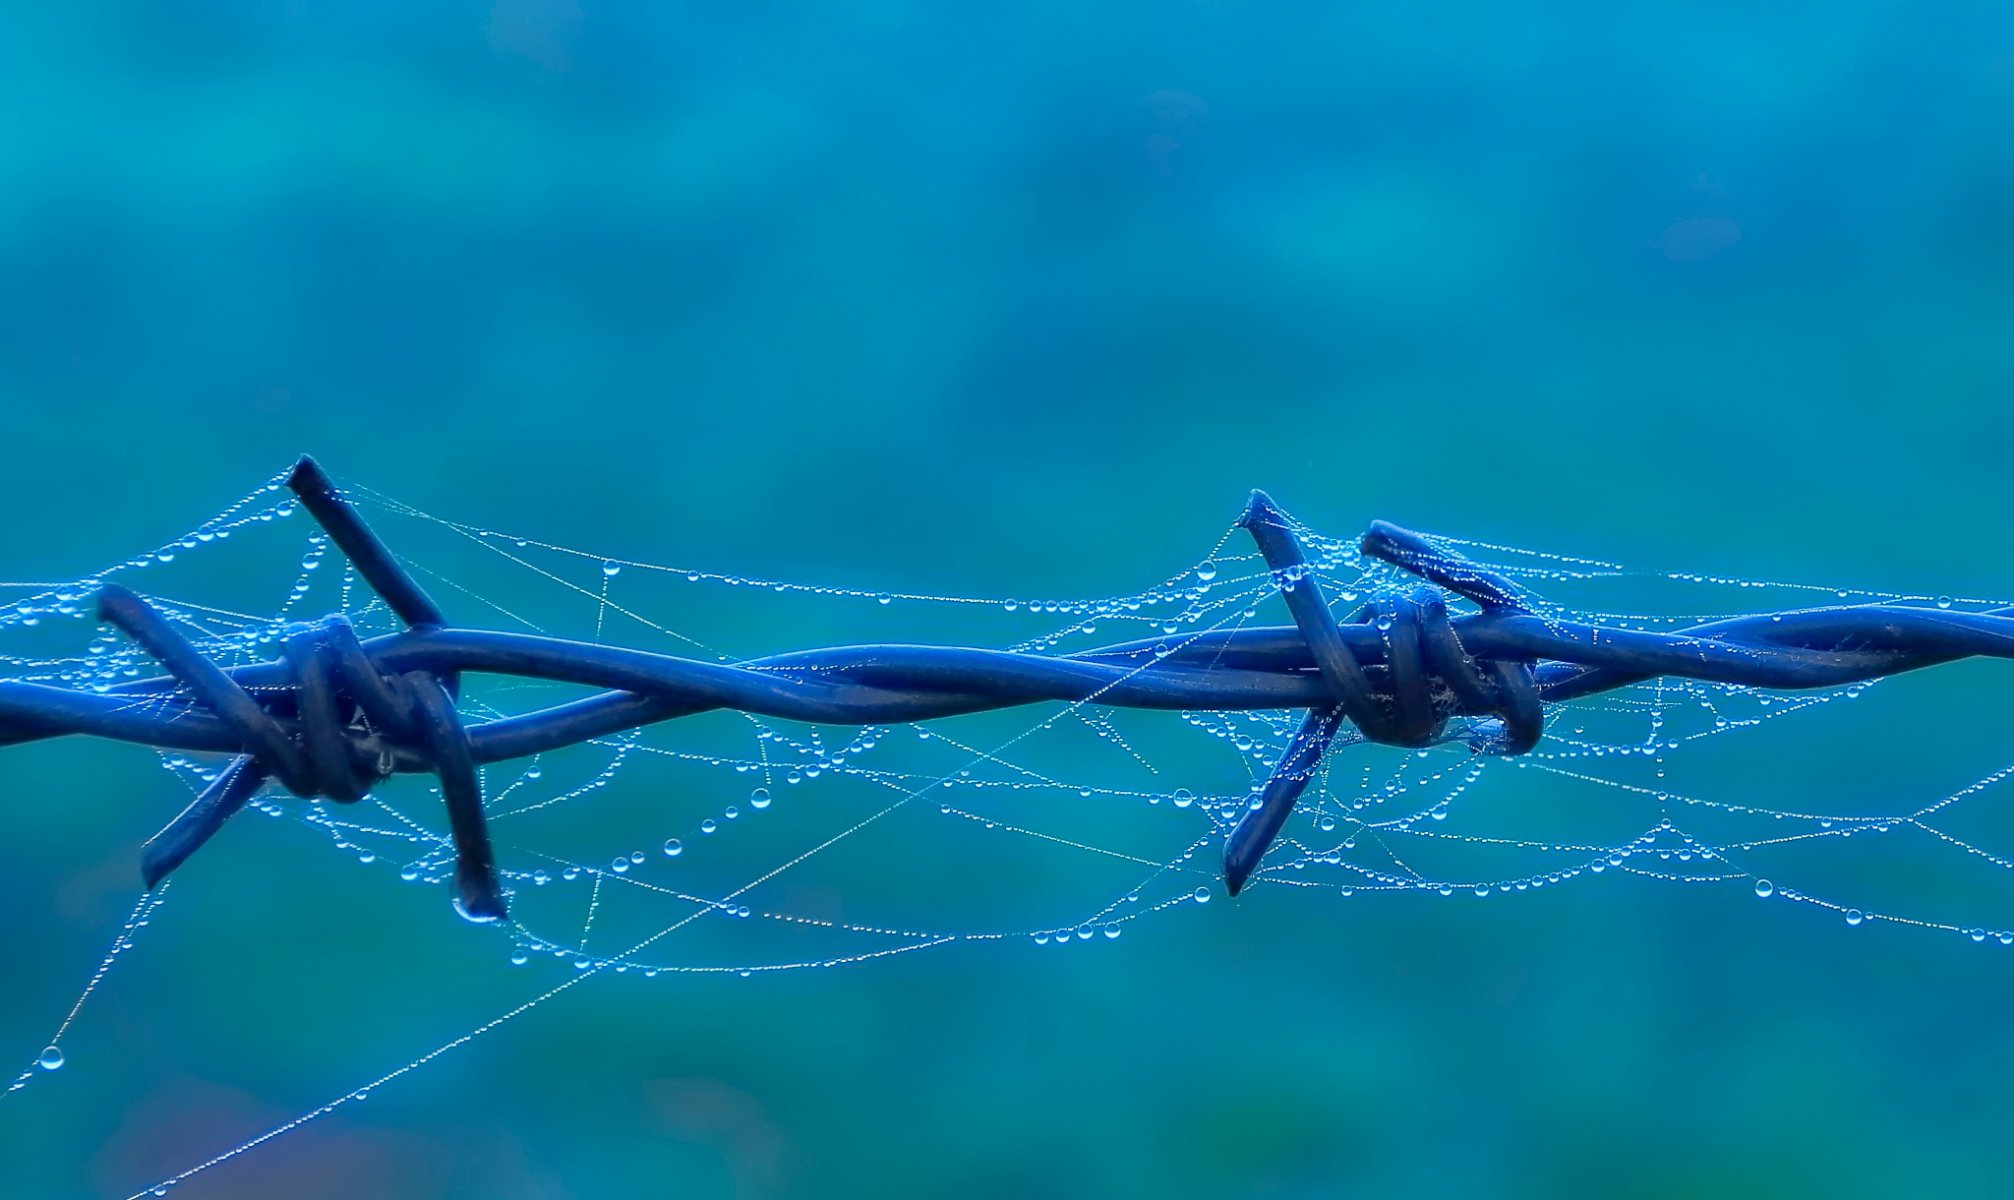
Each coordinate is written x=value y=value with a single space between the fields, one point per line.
x=335 y=714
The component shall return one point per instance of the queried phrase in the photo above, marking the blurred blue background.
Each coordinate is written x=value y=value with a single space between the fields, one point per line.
x=930 y=297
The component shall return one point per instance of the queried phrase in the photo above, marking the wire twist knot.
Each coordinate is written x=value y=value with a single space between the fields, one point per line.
x=1420 y=674
x=352 y=720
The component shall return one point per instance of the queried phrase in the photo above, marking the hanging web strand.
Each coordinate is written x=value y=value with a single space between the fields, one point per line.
x=1294 y=714
x=52 y=1057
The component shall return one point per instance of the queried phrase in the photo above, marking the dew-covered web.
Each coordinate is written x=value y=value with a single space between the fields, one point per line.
x=728 y=844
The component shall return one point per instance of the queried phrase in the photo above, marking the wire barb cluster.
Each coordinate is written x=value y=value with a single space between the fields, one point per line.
x=336 y=714
x=339 y=694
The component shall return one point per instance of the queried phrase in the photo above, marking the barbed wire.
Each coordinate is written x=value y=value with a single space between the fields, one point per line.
x=336 y=714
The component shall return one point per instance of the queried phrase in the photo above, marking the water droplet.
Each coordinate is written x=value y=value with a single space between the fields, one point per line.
x=1854 y=916
x=1207 y=571
x=1201 y=895
x=1764 y=888
x=1183 y=798
x=708 y=825
x=1944 y=602
x=51 y=1059
x=470 y=915
x=518 y=958
x=611 y=568
x=673 y=848
x=759 y=798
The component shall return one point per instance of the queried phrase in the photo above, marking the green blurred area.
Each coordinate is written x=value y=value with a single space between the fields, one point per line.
x=936 y=299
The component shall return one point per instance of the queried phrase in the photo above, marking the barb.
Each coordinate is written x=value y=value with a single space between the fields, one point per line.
x=335 y=714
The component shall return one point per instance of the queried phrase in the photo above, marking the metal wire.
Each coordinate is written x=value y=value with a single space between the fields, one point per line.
x=336 y=714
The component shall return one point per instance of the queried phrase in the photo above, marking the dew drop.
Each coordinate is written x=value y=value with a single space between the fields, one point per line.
x=51 y=1059
x=611 y=568
x=759 y=798
x=673 y=848
x=1764 y=888
x=1854 y=916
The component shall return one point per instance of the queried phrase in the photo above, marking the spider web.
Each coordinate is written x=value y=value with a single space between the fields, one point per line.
x=729 y=844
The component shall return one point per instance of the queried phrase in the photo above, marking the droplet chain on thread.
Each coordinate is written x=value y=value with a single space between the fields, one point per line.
x=336 y=714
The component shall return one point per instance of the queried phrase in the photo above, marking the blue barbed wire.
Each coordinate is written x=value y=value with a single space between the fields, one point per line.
x=335 y=714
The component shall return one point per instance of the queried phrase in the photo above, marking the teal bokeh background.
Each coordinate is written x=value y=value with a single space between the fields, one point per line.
x=927 y=297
